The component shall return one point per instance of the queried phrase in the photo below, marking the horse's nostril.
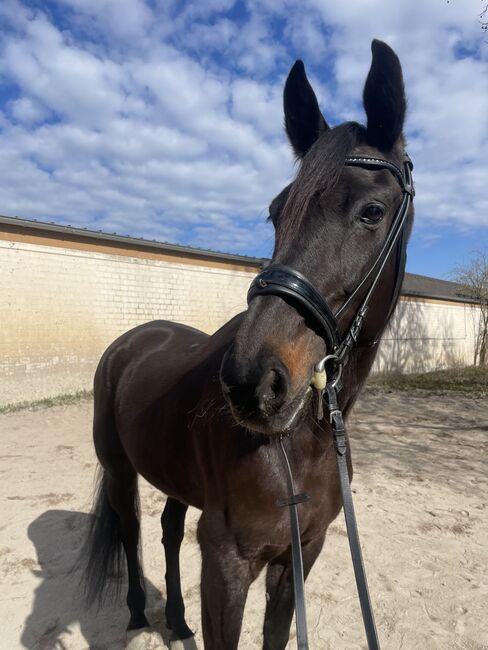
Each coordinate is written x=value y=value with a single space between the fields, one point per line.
x=271 y=391
x=254 y=387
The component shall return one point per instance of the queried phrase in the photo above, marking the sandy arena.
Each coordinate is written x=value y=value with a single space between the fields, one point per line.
x=421 y=498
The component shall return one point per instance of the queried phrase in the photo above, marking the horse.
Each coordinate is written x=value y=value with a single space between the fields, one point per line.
x=200 y=416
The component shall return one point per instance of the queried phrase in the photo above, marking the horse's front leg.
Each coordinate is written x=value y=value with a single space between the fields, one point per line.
x=173 y=525
x=280 y=594
x=226 y=577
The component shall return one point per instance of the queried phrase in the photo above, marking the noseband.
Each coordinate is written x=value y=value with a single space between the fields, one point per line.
x=292 y=286
x=283 y=281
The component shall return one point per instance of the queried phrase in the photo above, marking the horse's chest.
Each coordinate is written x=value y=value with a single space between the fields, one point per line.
x=261 y=521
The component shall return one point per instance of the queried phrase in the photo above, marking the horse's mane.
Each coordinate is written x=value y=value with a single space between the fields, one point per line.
x=318 y=172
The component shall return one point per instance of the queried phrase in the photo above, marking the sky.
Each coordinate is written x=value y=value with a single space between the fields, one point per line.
x=163 y=119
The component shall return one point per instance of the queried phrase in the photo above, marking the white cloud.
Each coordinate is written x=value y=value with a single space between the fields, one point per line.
x=167 y=122
x=27 y=110
x=122 y=19
x=202 y=38
x=66 y=78
x=258 y=104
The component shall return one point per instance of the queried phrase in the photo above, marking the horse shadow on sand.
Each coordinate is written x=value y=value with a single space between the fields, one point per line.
x=58 y=607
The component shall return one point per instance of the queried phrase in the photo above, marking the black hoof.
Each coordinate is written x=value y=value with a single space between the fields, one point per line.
x=137 y=621
x=181 y=631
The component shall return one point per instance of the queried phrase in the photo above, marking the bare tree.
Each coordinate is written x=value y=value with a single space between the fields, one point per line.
x=473 y=277
x=484 y=18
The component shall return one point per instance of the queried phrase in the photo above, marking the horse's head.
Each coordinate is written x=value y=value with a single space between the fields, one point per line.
x=331 y=226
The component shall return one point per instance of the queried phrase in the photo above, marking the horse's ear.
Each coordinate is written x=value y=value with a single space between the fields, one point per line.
x=303 y=119
x=384 y=97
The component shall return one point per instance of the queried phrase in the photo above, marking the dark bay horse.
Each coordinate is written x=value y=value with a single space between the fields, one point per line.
x=199 y=416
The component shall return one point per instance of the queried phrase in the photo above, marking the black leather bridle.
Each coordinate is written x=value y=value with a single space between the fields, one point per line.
x=295 y=288
x=292 y=286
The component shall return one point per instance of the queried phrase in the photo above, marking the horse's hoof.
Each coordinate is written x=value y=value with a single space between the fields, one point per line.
x=181 y=631
x=137 y=622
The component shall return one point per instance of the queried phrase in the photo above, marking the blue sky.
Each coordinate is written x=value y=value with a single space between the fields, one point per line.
x=163 y=119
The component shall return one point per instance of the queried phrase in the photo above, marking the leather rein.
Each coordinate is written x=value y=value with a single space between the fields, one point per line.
x=296 y=289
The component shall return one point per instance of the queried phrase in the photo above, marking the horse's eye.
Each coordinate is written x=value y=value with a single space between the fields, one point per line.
x=372 y=214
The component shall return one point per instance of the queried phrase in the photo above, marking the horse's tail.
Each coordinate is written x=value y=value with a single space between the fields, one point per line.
x=101 y=557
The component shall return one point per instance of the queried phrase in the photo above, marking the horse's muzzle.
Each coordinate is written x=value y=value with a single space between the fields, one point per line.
x=258 y=393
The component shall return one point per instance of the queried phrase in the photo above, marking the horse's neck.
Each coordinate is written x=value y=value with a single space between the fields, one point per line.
x=355 y=376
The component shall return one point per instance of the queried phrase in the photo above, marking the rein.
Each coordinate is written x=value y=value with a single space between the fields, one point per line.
x=292 y=286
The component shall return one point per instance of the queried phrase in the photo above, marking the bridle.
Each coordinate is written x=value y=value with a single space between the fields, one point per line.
x=295 y=288
x=292 y=286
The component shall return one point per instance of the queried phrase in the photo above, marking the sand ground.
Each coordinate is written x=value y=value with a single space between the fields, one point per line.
x=421 y=490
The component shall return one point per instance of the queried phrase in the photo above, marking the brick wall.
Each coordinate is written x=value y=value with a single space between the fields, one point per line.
x=428 y=335
x=62 y=306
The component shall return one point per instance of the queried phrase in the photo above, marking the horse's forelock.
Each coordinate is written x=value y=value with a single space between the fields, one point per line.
x=318 y=172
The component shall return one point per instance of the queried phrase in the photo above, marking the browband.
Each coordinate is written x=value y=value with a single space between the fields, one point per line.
x=379 y=163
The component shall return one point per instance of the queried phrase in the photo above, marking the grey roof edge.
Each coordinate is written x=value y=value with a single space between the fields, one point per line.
x=434 y=296
x=128 y=240
x=209 y=254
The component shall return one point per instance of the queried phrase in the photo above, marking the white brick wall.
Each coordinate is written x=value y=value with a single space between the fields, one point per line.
x=427 y=335
x=61 y=307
